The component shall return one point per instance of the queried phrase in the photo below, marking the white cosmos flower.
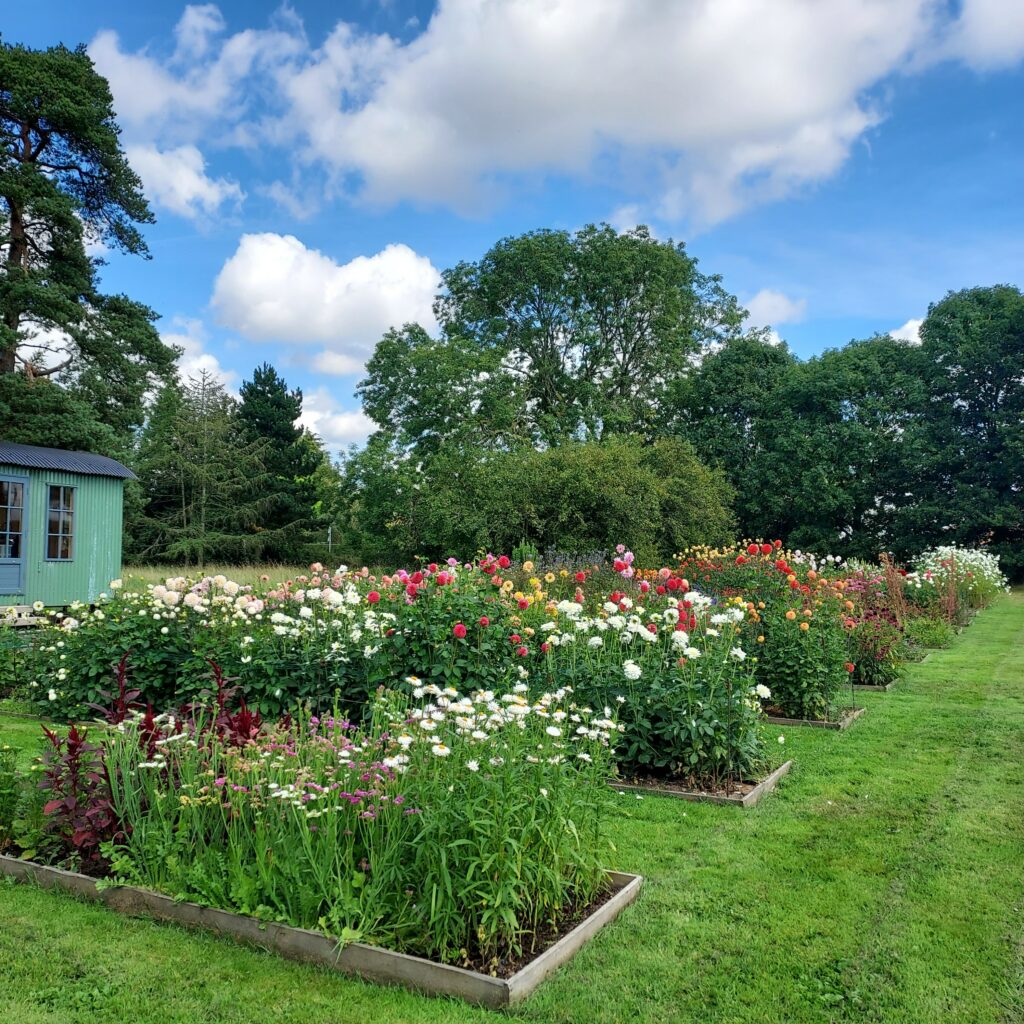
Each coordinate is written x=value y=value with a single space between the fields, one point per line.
x=473 y=766
x=738 y=653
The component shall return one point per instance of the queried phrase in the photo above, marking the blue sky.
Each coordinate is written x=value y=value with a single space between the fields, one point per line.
x=312 y=166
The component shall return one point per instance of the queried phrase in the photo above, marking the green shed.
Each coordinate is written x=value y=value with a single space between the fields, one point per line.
x=61 y=517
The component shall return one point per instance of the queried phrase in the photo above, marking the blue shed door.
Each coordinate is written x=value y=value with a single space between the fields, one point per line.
x=13 y=492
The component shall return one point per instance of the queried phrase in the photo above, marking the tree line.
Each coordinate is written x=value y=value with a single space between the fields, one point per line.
x=583 y=388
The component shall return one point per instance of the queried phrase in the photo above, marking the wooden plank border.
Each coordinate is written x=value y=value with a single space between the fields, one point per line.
x=357 y=958
x=754 y=797
x=849 y=717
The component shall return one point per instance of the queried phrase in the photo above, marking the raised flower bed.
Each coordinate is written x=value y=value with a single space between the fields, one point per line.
x=742 y=793
x=450 y=842
x=356 y=958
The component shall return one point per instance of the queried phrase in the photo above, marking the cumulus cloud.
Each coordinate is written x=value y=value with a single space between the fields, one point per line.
x=732 y=102
x=177 y=179
x=910 y=331
x=276 y=289
x=768 y=308
x=987 y=34
x=204 y=81
x=190 y=336
x=337 y=427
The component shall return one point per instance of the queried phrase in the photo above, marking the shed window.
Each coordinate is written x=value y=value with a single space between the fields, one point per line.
x=12 y=505
x=60 y=523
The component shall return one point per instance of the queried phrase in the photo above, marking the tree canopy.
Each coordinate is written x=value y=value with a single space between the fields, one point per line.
x=66 y=184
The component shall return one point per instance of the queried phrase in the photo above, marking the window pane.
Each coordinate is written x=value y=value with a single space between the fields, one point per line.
x=3 y=520
x=53 y=547
x=65 y=523
x=53 y=500
x=14 y=545
x=17 y=495
x=69 y=499
x=53 y=522
x=65 y=547
x=3 y=546
x=4 y=492
x=14 y=520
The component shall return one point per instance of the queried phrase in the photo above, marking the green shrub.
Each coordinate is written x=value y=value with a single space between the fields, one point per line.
x=925 y=631
x=803 y=659
x=875 y=652
x=577 y=496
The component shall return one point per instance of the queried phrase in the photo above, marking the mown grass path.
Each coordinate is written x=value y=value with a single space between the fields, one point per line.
x=884 y=882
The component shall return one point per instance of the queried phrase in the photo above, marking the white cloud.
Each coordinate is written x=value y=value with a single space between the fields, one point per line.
x=768 y=308
x=177 y=179
x=988 y=34
x=731 y=102
x=177 y=98
x=705 y=107
x=337 y=427
x=625 y=217
x=190 y=336
x=195 y=30
x=275 y=289
x=910 y=331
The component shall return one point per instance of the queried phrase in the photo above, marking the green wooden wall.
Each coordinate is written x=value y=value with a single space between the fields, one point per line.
x=99 y=510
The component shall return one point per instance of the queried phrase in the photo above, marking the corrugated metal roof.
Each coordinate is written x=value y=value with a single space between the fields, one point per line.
x=34 y=457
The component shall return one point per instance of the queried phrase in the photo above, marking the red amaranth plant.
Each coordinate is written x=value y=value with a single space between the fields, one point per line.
x=238 y=727
x=79 y=812
x=123 y=701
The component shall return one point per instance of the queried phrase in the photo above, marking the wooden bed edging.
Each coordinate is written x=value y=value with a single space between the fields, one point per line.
x=370 y=962
x=849 y=717
x=761 y=790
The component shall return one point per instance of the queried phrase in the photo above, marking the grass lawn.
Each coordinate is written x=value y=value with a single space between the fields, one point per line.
x=883 y=882
x=136 y=577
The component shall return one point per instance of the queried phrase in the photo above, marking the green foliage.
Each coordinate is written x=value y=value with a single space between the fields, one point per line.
x=64 y=180
x=550 y=337
x=448 y=844
x=267 y=418
x=970 y=446
x=926 y=631
x=699 y=722
x=9 y=793
x=206 y=486
x=875 y=651
x=578 y=496
x=804 y=669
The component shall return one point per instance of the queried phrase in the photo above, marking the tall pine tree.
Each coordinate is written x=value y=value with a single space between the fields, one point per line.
x=268 y=415
x=206 y=488
x=64 y=180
